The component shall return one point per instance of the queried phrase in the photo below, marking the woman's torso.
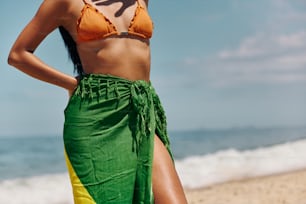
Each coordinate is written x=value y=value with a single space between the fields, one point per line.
x=126 y=56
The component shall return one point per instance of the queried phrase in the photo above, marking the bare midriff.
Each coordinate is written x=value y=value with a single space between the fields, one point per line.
x=124 y=56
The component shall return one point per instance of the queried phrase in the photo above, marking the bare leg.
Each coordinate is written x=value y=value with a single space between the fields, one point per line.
x=167 y=187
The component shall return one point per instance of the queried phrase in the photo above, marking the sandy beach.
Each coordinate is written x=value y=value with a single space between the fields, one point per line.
x=288 y=188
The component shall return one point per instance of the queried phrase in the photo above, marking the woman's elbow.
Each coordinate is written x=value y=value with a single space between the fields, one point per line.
x=13 y=58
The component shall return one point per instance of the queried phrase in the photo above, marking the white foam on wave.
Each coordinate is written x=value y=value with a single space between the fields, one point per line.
x=48 y=189
x=195 y=171
x=228 y=165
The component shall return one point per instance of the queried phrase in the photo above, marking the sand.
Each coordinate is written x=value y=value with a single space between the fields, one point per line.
x=288 y=188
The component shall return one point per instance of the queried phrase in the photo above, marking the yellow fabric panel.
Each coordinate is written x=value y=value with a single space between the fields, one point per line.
x=80 y=194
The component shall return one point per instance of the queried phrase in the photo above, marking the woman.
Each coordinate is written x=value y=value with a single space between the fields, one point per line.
x=116 y=144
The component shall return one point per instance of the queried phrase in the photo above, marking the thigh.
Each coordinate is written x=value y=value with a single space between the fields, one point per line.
x=167 y=187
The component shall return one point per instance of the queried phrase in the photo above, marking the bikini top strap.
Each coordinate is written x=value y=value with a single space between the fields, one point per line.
x=84 y=1
x=138 y=3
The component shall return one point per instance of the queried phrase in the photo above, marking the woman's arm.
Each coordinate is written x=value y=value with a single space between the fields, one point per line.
x=49 y=16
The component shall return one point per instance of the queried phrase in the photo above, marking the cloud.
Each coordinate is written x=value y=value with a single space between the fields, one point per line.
x=263 y=58
x=275 y=53
x=286 y=13
x=263 y=45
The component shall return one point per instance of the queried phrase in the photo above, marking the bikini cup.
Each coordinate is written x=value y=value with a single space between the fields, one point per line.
x=93 y=25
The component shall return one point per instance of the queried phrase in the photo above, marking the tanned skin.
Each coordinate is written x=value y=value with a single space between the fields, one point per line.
x=127 y=57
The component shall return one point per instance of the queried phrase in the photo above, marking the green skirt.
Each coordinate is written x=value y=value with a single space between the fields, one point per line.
x=109 y=129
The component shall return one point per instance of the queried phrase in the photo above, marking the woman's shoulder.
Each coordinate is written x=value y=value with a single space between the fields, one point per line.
x=58 y=9
x=57 y=4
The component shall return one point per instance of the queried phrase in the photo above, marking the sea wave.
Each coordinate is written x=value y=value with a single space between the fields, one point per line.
x=46 y=189
x=231 y=164
x=194 y=171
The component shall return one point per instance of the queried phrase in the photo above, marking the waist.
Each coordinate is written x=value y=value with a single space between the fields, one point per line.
x=109 y=86
x=120 y=72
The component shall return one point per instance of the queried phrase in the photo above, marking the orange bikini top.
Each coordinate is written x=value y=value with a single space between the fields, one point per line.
x=93 y=25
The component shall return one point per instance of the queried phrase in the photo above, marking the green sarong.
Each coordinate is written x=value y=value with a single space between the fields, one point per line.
x=109 y=129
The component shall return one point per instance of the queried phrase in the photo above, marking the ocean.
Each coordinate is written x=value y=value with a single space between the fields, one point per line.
x=33 y=169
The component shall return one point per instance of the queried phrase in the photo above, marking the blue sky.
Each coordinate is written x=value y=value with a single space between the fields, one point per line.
x=215 y=64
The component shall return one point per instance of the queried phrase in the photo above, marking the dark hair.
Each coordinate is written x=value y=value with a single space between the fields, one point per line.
x=72 y=50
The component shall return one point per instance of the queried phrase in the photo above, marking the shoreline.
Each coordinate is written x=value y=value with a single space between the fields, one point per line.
x=284 y=188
